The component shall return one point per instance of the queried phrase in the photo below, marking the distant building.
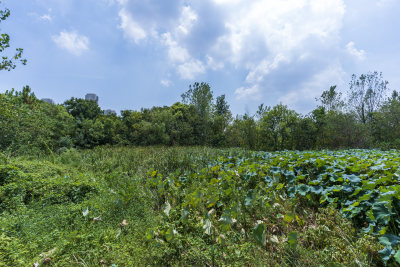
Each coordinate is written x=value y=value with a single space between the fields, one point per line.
x=110 y=112
x=93 y=97
x=48 y=100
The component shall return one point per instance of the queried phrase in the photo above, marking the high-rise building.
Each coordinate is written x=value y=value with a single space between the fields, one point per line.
x=48 y=100
x=93 y=97
x=110 y=112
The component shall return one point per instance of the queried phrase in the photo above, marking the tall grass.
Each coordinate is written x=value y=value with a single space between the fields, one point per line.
x=70 y=208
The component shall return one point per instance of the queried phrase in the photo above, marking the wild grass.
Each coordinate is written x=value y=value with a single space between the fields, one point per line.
x=96 y=208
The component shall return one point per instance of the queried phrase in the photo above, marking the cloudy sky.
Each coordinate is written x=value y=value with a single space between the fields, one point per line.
x=144 y=53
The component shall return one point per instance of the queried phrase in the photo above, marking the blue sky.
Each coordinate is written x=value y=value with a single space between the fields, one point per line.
x=144 y=53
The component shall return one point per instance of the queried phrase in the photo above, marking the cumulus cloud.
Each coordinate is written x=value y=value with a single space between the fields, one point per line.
x=248 y=93
x=259 y=71
x=166 y=83
x=352 y=50
x=176 y=53
x=132 y=30
x=190 y=69
x=72 y=42
x=259 y=37
x=281 y=32
x=187 y=20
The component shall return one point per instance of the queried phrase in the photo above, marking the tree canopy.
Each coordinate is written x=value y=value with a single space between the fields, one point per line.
x=8 y=62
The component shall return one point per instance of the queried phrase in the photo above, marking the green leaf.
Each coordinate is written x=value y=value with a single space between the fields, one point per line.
x=259 y=234
x=303 y=189
x=289 y=217
x=389 y=240
x=249 y=198
x=380 y=211
x=386 y=253
x=280 y=186
x=397 y=256
x=170 y=234
x=292 y=238
x=316 y=189
x=352 y=178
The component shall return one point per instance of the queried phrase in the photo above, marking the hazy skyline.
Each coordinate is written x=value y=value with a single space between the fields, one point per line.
x=146 y=53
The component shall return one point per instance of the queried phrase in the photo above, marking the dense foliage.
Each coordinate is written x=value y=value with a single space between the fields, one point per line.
x=369 y=121
x=200 y=206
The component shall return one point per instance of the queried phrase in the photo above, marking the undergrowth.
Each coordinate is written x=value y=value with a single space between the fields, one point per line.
x=138 y=207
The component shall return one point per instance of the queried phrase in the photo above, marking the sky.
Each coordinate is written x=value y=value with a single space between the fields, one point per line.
x=144 y=53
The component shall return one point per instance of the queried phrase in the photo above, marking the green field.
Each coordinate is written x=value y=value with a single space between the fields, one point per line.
x=200 y=207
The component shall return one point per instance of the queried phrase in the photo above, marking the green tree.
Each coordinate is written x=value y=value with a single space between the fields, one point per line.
x=185 y=119
x=221 y=119
x=331 y=99
x=200 y=96
x=242 y=132
x=8 y=62
x=386 y=123
x=366 y=94
x=277 y=127
x=83 y=109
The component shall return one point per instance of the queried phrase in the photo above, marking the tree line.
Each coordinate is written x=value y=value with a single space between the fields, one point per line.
x=365 y=118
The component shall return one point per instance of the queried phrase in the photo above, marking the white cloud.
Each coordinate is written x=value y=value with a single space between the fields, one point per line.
x=258 y=72
x=166 y=83
x=46 y=17
x=190 y=69
x=263 y=36
x=246 y=93
x=176 y=53
x=280 y=26
x=132 y=30
x=213 y=64
x=352 y=50
x=187 y=20
x=258 y=36
x=72 y=42
x=171 y=37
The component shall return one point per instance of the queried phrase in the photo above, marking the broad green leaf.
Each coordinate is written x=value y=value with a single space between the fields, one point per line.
x=380 y=211
x=289 y=217
x=389 y=240
x=386 y=253
x=170 y=234
x=316 y=189
x=259 y=234
x=397 y=256
x=352 y=178
x=249 y=198
x=303 y=189
x=292 y=238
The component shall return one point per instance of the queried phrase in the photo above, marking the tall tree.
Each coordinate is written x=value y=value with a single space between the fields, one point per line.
x=277 y=127
x=221 y=118
x=200 y=96
x=8 y=62
x=331 y=99
x=83 y=109
x=366 y=94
